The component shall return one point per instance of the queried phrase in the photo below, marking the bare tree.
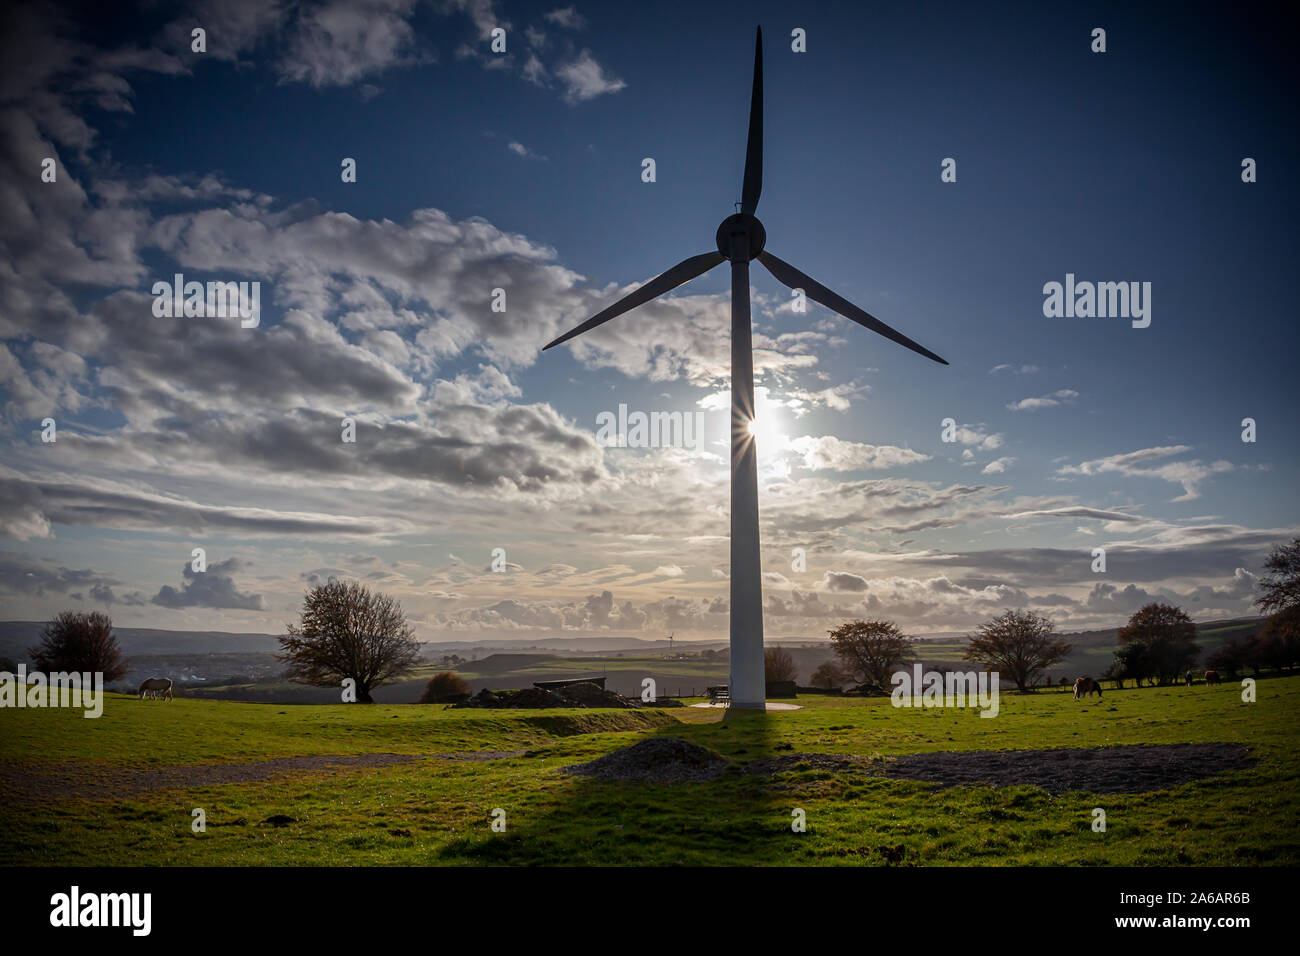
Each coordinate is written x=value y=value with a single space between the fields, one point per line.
x=871 y=651
x=1018 y=644
x=77 y=641
x=1280 y=586
x=347 y=631
x=778 y=666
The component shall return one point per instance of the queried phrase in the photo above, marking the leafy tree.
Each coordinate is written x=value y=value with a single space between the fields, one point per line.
x=79 y=641
x=1232 y=657
x=1169 y=637
x=1112 y=672
x=1133 y=662
x=870 y=651
x=829 y=675
x=1018 y=644
x=443 y=687
x=778 y=665
x=1280 y=586
x=347 y=631
x=1278 y=642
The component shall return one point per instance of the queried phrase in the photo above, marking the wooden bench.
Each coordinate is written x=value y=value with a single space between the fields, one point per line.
x=719 y=695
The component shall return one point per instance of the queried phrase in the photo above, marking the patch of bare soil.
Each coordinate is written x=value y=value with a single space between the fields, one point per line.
x=656 y=760
x=28 y=784
x=1129 y=769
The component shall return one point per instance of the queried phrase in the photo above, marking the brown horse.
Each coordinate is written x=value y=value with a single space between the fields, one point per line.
x=156 y=685
x=1085 y=686
x=1211 y=677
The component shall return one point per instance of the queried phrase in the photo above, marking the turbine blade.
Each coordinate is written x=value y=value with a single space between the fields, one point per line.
x=753 y=184
x=795 y=279
x=684 y=271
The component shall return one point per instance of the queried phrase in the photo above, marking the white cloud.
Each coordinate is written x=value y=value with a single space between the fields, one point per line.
x=585 y=79
x=339 y=43
x=534 y=71
x=519 y=149
x=567 y=17
x=978 y=437
x=1060 y=397
x=1189 y=474
x=830 y=453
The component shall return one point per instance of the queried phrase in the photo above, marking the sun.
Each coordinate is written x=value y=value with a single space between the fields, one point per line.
x=767 y=426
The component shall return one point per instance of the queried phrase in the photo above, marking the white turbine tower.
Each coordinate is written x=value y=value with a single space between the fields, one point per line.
x=740 y=239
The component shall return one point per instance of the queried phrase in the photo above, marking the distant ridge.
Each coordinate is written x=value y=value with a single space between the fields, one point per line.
x=17 y=636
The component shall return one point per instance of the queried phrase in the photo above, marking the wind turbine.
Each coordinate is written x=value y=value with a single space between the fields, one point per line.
x=741 y=238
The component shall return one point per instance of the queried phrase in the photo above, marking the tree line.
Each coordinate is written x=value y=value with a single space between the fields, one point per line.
x=1157 y=645
x=346 y=632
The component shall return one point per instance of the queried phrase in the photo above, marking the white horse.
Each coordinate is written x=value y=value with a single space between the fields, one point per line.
x=157 y=685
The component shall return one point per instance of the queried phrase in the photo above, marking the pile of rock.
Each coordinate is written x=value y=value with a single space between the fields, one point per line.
x=657 y=760
x=534 y=697
x=584 y=695
x=591 y=695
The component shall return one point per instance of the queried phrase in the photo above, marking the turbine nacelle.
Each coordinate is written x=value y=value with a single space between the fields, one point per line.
x=741 y=226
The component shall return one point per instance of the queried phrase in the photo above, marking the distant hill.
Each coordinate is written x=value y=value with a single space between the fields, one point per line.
x=17 y=636
x=585 y=645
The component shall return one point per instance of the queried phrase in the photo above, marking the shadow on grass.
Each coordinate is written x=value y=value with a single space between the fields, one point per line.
x=736 y=819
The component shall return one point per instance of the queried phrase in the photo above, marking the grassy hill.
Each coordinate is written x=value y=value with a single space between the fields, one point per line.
x=461 y=765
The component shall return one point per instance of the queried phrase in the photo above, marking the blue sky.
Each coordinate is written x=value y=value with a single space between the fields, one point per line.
x=523 y=172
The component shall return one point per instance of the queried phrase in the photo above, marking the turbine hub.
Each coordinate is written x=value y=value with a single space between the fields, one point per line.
x=742 y=224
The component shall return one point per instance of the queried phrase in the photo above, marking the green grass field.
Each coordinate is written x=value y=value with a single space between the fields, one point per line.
x=438 y=811
x=503 y=671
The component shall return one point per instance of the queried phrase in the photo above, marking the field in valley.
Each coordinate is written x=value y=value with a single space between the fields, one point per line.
x=121 y=789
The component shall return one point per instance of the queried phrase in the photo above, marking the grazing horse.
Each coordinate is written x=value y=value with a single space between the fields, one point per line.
x=157 y=685
x=1211 y=677
x=1189 y=678
x=1085 y=686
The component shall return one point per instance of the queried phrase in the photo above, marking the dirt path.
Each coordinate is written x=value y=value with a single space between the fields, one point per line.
x=1139 y=768
x=1129 y=769
x=30 y=784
